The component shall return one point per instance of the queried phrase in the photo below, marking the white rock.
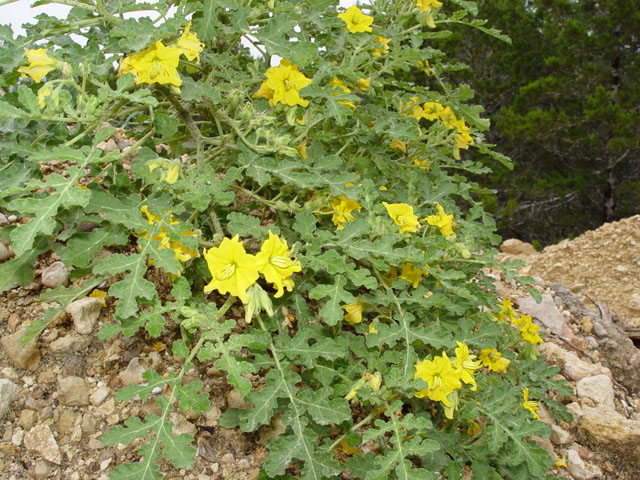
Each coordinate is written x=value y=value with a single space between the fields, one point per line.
x=40 y=440
x=4 y=252
x=598 y=388
x=85 y=313
x=559 y=435
x=3 y=219
x=99 y=395
x=577 y=467
x=8 y=393
x=546 y=312
x=55 y=274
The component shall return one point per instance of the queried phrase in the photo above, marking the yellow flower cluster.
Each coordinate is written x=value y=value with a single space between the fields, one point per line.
x=337 y=84
x=436 y=111
x=426 y=6
x=283 y=85
x=234 y=270
x=445 y=376
x=158 y=63
x=530 y=405
x=523 y=323
x=493 y=360
x=182 y=252
x=342 y=206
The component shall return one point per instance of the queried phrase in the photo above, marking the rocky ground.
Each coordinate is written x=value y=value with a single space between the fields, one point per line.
x=57 y=394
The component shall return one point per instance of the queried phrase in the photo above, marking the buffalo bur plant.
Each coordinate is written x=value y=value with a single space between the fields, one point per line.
x=274 y=162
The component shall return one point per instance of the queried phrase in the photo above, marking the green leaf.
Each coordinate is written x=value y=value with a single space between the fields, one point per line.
x=322 y=410
x=207 y=24
x=192 y=90
x=166 y=125
x=44 y=209
x=133 y=286
x=332 y=309
x=190 y=399
x=82 y=247
x=248 y=226
x=28 y=99
x=305 y=223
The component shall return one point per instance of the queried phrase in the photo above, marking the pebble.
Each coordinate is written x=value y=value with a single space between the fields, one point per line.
x=227 y=458
x=55 y=274
x=84 y=313
x=3 y=220
x=181 y=425
x=40 y=440
x=69 y=343
x=8 y=393
x=41 y=470
x=99 y=395
x=4 y=252
x=27 y=419
x=67 y=421
x=577 y=467
x=73 y=391
x=17 y=437
x=88 y=424
x=95 y=444
x=27 y=357
x=133 y=372
x=12 y=218
x=73 y=365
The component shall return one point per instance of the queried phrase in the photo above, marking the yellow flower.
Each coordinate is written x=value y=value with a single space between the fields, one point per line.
x=530 y=404
x=432 y=110
x=43 y=93
x=424 y=164
x=398 y=145
x=285 y=81
x=172 y=174
x=356 y=21
x=343 y=208
x=181 y=252
x=347 y=104
x=364 y=84
x=529 y=330
x=463 y=138
x=100 y=295
x=412 y=274
x=414 y=110
x=39 y=64
x=493 y=360
x=424 y=66
x=473 y=429
x=560 y=462
x=274 y=263
x=353 y=312
x=440 y=376
x=264 y=92
x=337 y=84
x=301 y=148
x=427 y=5
x=443 y=221
x=232 y=268
x=376 y=52
x=189 y=44
x=156 y=64
x=151 y=218
x=402 y=215
x=466 y=365
x=506 y=311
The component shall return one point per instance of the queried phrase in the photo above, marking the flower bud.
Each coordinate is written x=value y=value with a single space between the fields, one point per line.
x=259 y=301
x=67 y=71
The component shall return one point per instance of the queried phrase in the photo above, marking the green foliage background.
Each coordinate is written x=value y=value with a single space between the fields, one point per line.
x=563 y=101
x=241 y=174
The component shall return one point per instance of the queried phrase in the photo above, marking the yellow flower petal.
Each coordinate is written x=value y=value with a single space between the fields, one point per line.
x=39 y=64
x=357 y=22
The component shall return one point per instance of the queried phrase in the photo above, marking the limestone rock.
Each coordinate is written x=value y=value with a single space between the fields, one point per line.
x=4 y=252
x=55 y=274
x=513 y=246
x=8 y=393
x=598 y=388
x=559 y=435
x=181 y=425
x=69 y=344
x=27 y=419
x=546 y=313
x=27 y=357
x=133 y=372
x=73 y=391
x=577 y=467
x=84 y=313
x=601 y=427
x=99 y=395
x=571 y=365
x=40 y=440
